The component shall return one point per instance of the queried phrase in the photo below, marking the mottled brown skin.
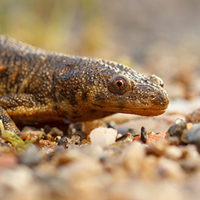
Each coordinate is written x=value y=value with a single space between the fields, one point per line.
x=41 y=86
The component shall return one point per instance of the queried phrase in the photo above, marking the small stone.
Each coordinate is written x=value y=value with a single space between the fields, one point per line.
x=28 y=129
x=185 y=133
x=144 y=135
x=119 y=135
x=5 y=147
x=177 y=129
x=75 y=139
x=134 y=156
x=170 y=169
x=184 y=137
x=73 y=127
x=173 y=140
x=57 y=138
x=132 y=131
x=194 y=117
x=67 y=157
x=7 y=160
x=103 y=136
x=84 y=141
x=173 y=152
x=191 y=161
x=49 y=137
x=55 y=132
x=191 y=152
x=31 y=156
x=20 y=182
x=126 y=137
x=112 y=124
x=190 y=165
x=151 y=138
x=51 y=143
x=160 y=146
x=30 y=132
x=88 y=126
x=63 y=142
x=193 y=135
x=81 y=134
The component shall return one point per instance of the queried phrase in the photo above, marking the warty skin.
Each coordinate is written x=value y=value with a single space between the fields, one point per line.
x=42 y=86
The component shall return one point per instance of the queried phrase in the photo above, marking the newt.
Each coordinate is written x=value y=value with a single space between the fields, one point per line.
x=41 y=86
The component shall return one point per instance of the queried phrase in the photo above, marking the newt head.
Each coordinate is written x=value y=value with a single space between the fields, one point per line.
x=144 y=97
x=97 y=88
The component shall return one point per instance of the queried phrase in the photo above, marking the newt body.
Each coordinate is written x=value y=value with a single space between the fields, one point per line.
x=39 y=86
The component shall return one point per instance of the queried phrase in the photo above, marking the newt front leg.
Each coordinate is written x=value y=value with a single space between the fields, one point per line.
x=8 y=122
x=15 y=105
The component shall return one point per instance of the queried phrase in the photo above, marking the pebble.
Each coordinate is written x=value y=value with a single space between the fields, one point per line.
x=126 y=137
x=160 y=146
x=173 y=152
x=183 y=132
x=170 y=169
x=8 y=160
x=63 y=142
x=81 y=134
x=144 y=135
x=151 y=139
x=194 y=117
x=133 y=157
x=74 y=127
x=31 y=156
x=88 y=126
x=193 y=136
x=177 y=128
x=5 y=147
x=112 y=124
x=56 y=132
x=190 y=165
x=75 y=139
x=103 y=136
x=31 y=132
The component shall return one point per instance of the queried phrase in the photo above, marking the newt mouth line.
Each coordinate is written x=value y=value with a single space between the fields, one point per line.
x=151 y=111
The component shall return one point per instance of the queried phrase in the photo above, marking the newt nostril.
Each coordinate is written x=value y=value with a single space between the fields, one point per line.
x=156 y=80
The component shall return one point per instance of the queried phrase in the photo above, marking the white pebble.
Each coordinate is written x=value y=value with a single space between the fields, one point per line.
x=103 y=136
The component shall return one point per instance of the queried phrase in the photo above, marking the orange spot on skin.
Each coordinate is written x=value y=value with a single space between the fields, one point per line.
x=151 y=138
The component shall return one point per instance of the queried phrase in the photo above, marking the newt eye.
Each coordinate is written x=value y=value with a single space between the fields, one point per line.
x=119 y=85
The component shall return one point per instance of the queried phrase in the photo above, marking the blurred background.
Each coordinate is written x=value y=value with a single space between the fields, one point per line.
x=157 y=36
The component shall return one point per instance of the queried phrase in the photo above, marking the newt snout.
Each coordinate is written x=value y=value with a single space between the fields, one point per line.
x=132 y=92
